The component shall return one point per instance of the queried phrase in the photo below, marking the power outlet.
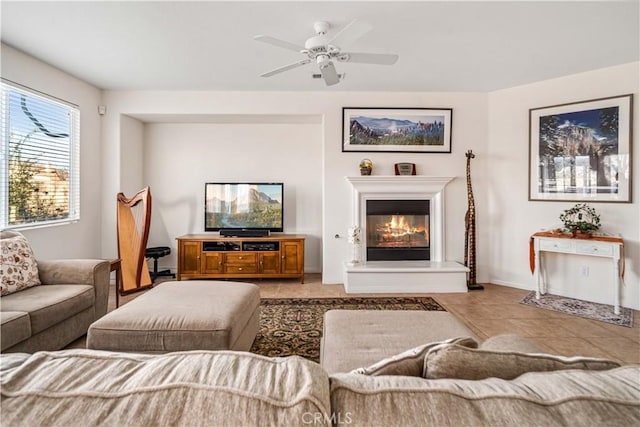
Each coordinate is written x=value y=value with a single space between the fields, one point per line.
x=584 y=270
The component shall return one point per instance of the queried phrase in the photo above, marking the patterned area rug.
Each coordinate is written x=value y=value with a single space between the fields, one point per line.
x=586 y=309
x=293 y=326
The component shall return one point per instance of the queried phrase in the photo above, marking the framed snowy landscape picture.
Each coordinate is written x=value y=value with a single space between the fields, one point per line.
x=581 y=151
x=416 y=130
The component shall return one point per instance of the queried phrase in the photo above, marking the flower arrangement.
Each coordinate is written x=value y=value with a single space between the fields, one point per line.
x=580 y=219
x=366 y=166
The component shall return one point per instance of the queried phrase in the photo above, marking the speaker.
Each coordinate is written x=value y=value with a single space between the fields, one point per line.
x=243 y=232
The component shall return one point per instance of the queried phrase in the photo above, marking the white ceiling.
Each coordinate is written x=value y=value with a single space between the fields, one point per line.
x=208 y=45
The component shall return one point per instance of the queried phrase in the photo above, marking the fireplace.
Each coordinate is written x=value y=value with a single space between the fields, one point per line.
x=397 y=230
x=402 y=223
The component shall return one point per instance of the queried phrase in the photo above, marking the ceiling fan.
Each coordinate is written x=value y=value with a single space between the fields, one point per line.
x=323 y=48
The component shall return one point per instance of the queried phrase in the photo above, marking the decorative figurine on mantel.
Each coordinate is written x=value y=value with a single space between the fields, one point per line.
x=366 y=166
x=470 y=231
x=581 y=221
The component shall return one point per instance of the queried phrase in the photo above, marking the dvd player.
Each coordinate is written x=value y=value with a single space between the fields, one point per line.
x=260 y=246
x=220 y=246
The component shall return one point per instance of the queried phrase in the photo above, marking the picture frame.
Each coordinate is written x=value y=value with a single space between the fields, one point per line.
x=403 y=130
x=581 y=151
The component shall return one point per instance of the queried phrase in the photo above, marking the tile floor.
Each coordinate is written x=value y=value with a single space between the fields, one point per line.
x=494 y=310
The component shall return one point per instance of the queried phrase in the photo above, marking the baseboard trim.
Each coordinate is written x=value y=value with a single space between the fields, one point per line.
x=511 y=284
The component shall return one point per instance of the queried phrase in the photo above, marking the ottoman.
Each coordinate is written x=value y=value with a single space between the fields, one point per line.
x=186 y=315
x=358 y=338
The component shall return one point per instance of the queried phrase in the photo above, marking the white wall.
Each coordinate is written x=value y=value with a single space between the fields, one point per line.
x=469 y=132
x=512 y=218
x=180 y=158
x=80 y=239
x=131 y=156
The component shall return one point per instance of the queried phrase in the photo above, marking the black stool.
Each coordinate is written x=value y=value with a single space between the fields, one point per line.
x=155 y=253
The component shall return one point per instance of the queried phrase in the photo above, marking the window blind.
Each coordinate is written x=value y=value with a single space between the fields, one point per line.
x=40 y=159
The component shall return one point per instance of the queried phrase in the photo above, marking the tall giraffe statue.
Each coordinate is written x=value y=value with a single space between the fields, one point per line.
x=470 y=230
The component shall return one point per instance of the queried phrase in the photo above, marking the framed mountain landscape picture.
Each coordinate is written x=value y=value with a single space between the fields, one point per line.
x=404 y=130
x=581 y=151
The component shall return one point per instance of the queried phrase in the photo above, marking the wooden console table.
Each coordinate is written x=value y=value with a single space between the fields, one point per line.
x=600 y=246
x=202 y=256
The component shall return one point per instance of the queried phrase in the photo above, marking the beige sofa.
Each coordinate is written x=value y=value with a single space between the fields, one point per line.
x=449 y=377
x=92 y=387
x=73 y=294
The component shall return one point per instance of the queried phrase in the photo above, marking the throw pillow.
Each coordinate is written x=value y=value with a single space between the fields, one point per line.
x=18 y=268
x=410 y=362
x=455 y=361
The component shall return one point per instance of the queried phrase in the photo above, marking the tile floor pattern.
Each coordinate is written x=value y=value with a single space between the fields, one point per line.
x=494 y=310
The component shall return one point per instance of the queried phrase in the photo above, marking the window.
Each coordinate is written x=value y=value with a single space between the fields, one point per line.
x=39 y=159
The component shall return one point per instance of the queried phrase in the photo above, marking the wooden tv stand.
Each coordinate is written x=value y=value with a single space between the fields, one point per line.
x=203 y=256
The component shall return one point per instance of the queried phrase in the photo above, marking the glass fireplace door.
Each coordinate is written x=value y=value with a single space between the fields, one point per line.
x=397 y=230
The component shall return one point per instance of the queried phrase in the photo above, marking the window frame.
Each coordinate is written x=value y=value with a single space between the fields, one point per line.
x=6 y=86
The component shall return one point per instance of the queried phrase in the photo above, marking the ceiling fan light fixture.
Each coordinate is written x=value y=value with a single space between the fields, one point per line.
x=324 y=48
x=323 y=60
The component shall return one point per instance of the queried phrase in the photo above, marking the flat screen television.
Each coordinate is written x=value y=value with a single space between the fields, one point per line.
x=243 y=206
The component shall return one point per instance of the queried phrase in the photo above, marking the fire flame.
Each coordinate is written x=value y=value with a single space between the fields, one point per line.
x=398 y=226
x=397 y=231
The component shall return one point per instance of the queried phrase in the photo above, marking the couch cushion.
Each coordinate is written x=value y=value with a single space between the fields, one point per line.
x=356 y=338
x=16 y=327
x=197 y=388
x=48 y=305
x=560 y=398
x=410 y=362
x=456 y=361
x=18 y=268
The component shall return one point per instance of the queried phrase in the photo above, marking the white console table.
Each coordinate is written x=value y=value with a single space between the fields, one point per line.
x=600 y=246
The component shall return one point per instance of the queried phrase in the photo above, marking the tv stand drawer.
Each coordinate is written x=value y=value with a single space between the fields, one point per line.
x=242 y=258
x=241 y=269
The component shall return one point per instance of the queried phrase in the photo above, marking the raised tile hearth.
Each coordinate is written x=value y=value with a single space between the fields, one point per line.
x=432 y=274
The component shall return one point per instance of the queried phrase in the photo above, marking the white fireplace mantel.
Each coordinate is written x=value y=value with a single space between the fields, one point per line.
x=435 y=275
x=404 y=187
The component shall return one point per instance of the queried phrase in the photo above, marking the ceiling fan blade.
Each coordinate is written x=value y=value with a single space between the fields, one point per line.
x=286 y=68
x=329 y=74
x=350 y=33
x=278 y=42
x=368 y=58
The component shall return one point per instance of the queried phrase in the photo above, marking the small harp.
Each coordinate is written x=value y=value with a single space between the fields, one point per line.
x=133 y=221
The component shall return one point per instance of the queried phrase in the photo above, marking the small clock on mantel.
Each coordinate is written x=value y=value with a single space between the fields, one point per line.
x=405 y=168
